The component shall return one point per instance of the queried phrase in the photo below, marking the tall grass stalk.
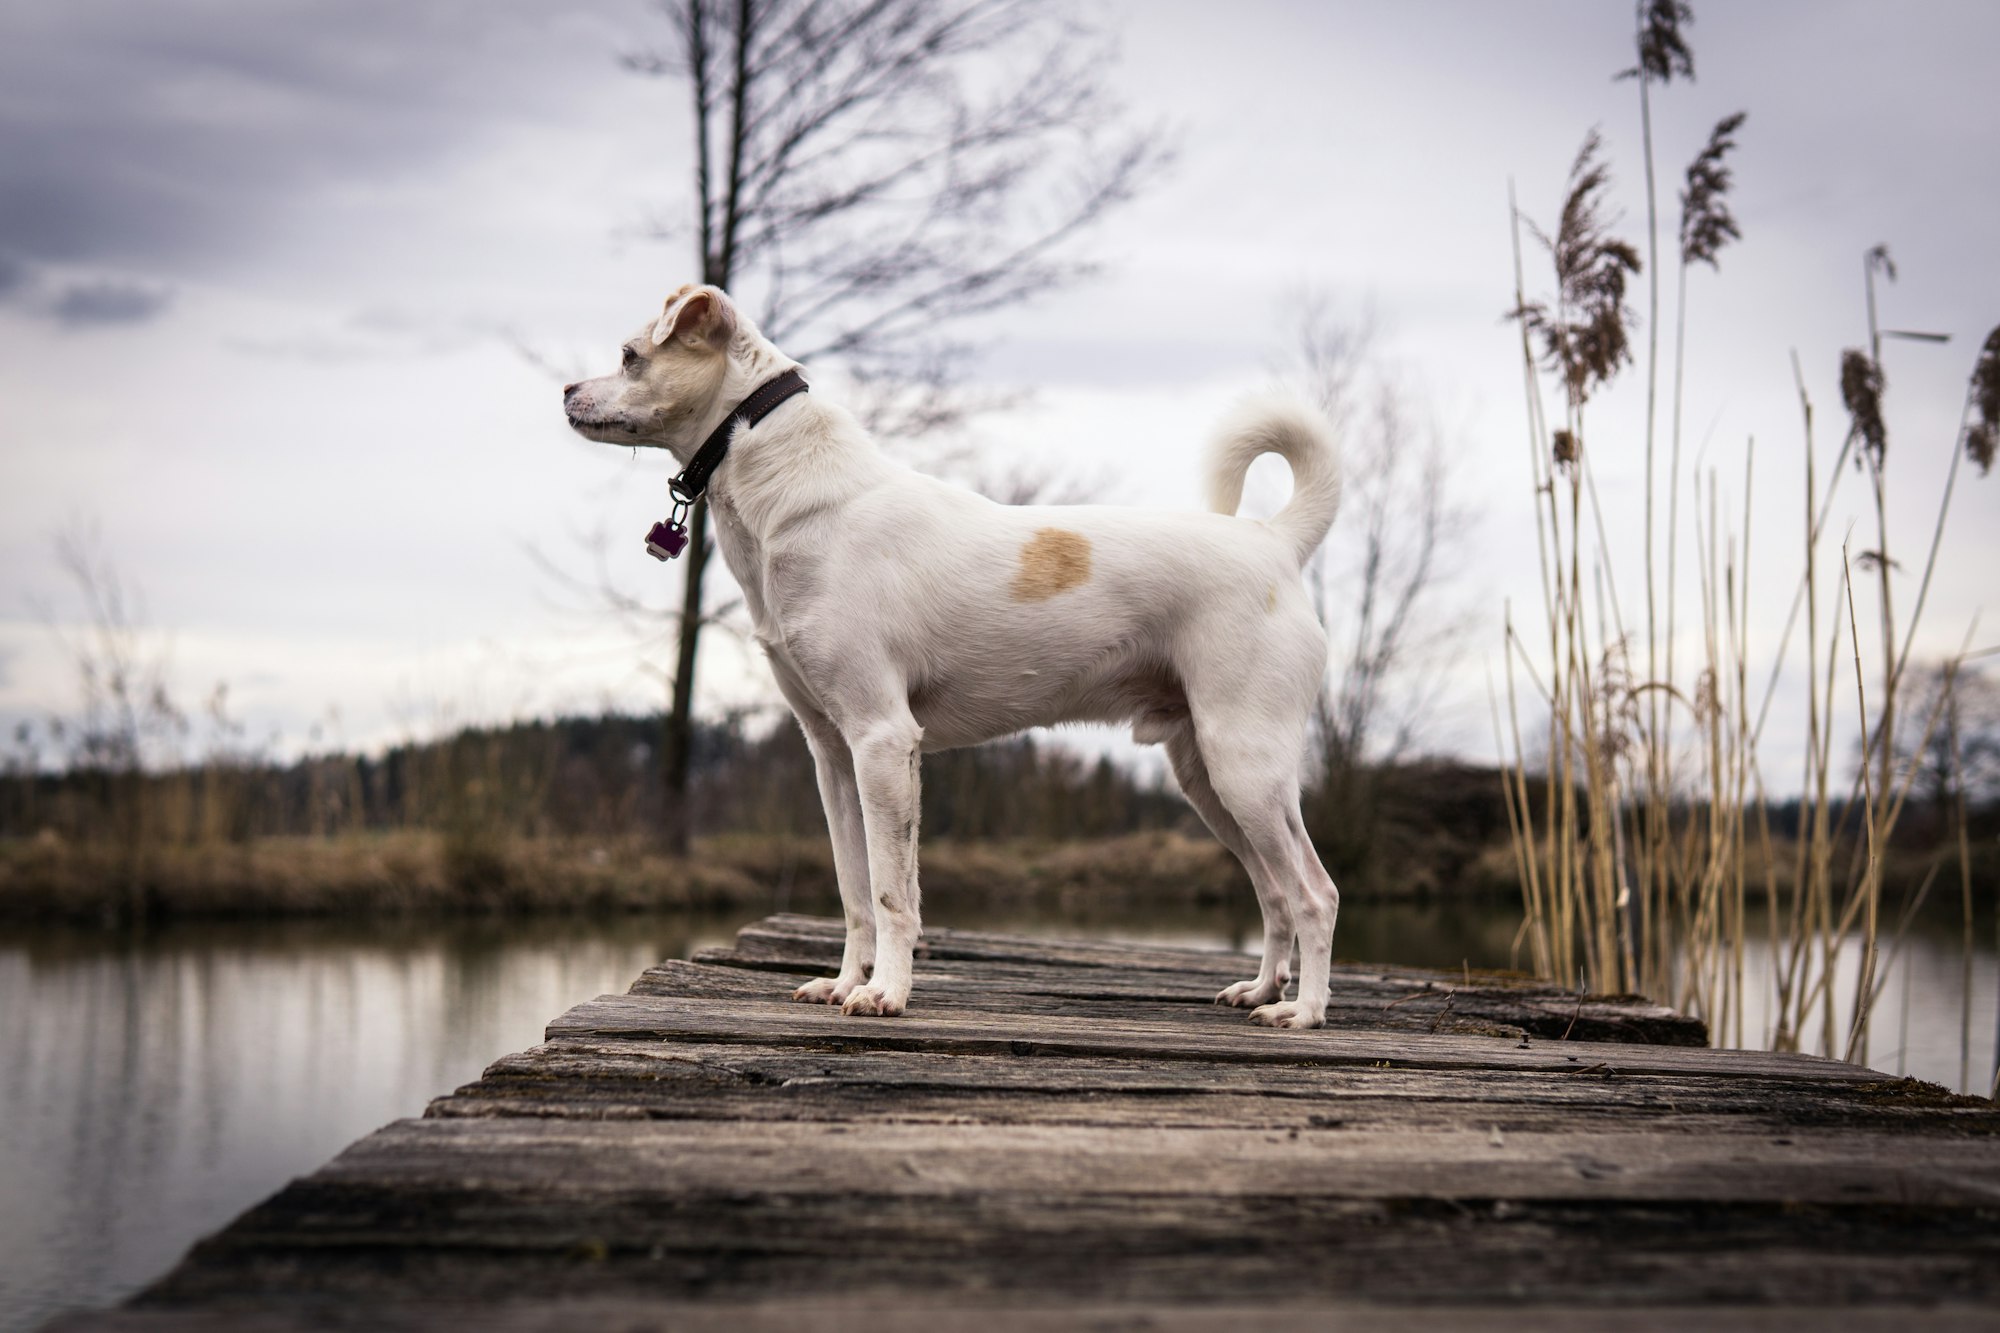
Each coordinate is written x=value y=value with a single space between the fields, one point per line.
x=1649 y=851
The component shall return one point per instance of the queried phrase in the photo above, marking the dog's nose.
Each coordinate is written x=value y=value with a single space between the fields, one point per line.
x=569 y=389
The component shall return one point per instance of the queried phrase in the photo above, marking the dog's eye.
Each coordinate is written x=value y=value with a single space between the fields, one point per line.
x=631 y=358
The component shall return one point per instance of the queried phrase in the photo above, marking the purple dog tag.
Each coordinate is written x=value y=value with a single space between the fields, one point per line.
x=666 y=540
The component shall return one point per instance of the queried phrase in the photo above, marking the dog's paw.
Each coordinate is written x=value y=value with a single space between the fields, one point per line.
x=820 y=990
x=1250 y=994
x=1290 y=1014
x=871 y=1001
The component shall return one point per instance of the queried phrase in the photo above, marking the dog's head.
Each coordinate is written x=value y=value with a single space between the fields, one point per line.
x=672 y=376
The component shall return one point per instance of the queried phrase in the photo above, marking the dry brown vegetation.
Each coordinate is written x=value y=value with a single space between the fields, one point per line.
x=1650 y=851
x=413 y=872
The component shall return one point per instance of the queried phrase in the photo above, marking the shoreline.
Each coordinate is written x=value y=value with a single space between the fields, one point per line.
x=48 y=880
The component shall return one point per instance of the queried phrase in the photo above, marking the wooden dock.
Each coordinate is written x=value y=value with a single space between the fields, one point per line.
x=1066 y=1135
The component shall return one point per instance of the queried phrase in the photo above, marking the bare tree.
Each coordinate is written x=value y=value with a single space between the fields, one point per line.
x=1953 y=742
x=870 y=173
x=1378 y=579
x=1380 y=585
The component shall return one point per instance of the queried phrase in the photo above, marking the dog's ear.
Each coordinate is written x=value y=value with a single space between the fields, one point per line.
x=698 y=316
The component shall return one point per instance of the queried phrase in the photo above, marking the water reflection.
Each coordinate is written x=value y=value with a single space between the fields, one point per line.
x=154 y=1086
x=1922 y=1025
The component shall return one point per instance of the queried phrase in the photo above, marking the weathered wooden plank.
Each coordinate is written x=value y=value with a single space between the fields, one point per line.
x=821 y=937
x=1051 y=989
x=795 y=944
x=792 y=935
x=603 y=1078
x=484 y=1246
x=1210 y=1034
x=726 y=1159
x=1028 y=989
x=497 y=1229
x=921 y=1313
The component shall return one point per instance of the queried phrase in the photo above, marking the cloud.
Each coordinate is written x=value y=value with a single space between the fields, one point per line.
x=89 y=301
x=174 y=136
x=107 y=301
x=374 y=332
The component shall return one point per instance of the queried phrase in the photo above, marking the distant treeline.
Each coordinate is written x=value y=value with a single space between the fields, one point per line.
x=576 y=777
x=598 y=777
x=1433 y=826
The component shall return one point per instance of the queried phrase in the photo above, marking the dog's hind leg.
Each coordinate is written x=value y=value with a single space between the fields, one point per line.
x=1276 y=968
x=1320 y=907
x=834 y=765
x=887 y=752
x=1253 y=767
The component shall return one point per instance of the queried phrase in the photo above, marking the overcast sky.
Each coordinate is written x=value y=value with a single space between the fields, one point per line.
x=267 y=270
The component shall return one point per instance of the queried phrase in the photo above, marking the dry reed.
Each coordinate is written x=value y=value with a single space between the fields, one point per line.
x=1647 y=848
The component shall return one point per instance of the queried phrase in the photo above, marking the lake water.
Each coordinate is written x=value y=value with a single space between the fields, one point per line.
x=153 y=1086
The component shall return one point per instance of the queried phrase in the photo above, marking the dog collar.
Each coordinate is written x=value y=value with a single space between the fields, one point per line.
x=669 y=538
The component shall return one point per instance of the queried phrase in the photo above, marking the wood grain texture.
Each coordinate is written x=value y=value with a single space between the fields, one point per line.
x=1402 y=1004
x=812 y=944
x=923 y=1315
x=1202 y=1033
x=708 y=1159
x=613 y=1078
x=1068 y=1135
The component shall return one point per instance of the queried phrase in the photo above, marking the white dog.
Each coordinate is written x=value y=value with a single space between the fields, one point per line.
x=902 y=614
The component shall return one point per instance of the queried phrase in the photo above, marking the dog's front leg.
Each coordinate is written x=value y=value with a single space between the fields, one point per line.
x=834 y=765
x=886 y=755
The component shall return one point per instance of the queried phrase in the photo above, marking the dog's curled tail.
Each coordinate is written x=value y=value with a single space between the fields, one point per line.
x=1280 y=424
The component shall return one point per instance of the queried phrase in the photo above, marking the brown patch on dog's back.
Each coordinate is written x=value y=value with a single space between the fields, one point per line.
x=1053 y=560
